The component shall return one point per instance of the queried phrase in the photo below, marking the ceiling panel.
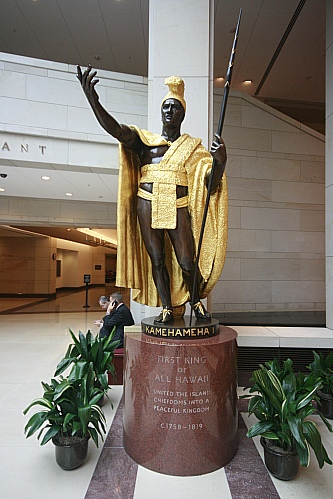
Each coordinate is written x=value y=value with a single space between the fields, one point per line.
x=127 y=29
x=84 y=186
x=89 y=33
x=300 y=68
x=113 y=35
x=105 y=237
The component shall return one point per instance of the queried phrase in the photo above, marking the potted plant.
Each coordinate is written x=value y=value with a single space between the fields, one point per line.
x=322 y=367
x=89 y=349
x=282 y=403
x=70 y=416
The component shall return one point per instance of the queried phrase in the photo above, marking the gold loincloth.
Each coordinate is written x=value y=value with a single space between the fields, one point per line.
x=163 y=208
x=165 y=176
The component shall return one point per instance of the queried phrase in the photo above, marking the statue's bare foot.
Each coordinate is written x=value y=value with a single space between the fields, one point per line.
x=165 y=316
x=200 y=311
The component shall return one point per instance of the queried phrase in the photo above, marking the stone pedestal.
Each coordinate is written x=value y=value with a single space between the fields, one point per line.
x=180 y=402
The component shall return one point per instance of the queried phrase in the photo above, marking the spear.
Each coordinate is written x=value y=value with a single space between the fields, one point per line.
x=219 y=133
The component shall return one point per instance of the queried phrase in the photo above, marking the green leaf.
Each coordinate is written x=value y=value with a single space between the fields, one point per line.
x=308 y=398
x=78 y=371
x=107 y=340
x=84 y=415
x=95 y=348
x=103 y=381
x=84 y=346
x=35 y=422
x=77 y=428
x=313 y=437
x=76 y=341
x=61 y=389
x=259 y=428
x=268 y=384
x=284 y=410
x=52 y=432
x=303 y=454
x=94 y=435
x=276 y=384
x=41 y=401
x=111 y=346
x=327 y=423
x=68 y=419
x=89 y=337
x=63 y=365
x=295 y=425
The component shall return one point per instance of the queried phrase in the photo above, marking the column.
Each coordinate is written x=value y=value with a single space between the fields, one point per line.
x=181 y=44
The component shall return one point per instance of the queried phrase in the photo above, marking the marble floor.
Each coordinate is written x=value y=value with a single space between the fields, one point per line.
x=33 y=338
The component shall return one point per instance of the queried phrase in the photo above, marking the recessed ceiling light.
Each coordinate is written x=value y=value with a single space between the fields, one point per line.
x=2 y=189
x=69 y=194
x=247 y=81
x=45 y=177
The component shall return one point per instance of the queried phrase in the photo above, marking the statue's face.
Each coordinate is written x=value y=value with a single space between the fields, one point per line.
x=172 y=112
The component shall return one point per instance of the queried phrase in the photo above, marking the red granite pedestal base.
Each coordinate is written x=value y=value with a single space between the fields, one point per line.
x=180 y=402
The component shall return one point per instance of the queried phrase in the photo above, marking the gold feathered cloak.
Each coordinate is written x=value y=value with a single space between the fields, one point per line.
x=133 y=263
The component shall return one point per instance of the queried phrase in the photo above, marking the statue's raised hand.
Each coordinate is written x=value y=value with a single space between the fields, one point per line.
x=88 y=82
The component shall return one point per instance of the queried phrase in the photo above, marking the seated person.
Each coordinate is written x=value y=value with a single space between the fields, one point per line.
x=120 y=316
x=104 y=303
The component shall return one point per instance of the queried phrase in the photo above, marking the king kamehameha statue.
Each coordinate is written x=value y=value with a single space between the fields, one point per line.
x=163 y=183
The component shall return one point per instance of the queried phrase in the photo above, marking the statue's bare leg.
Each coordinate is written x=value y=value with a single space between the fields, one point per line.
x=154 y=243
x=183 y=244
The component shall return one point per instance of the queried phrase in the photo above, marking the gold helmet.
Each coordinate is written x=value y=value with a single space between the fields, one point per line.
x=176 y=90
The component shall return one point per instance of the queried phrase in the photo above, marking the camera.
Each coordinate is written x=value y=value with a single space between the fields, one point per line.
x=3 y=175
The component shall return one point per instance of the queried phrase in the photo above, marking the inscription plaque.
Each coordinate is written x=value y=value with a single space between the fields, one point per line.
x=180 y=329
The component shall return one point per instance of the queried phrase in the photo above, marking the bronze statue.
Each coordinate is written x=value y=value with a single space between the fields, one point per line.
x=162 y=184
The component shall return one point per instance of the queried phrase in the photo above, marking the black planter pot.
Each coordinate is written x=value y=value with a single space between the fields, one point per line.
x=280 y=463
x=71 y=452
x=326 y=404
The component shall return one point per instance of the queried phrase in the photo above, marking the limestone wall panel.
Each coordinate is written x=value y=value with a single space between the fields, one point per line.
x=270 y=219
x=299 y=242
x=298 y=291
x=252 y=240
x=291 y=192
x=271 y=168
x=271 y=269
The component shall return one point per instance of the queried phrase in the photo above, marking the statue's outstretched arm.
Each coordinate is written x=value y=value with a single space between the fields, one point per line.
x=120 y=132
x=219 y=154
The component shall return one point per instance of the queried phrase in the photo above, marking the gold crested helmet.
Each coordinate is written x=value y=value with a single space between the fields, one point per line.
x=176 y=90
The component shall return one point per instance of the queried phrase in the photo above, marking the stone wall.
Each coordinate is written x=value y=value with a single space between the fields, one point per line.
x=276 y=247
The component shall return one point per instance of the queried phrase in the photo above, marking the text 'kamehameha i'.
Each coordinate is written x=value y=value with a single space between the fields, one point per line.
x=180 y=332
